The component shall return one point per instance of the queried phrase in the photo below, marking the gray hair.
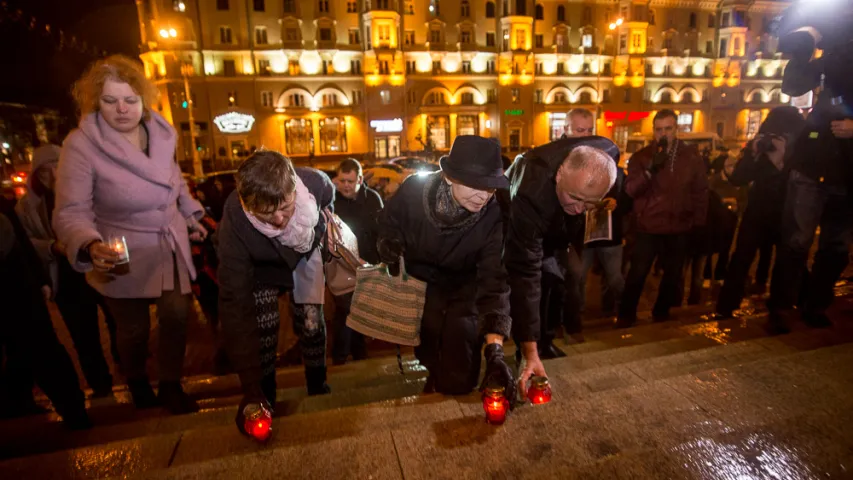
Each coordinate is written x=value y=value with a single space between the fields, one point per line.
x=595 y=162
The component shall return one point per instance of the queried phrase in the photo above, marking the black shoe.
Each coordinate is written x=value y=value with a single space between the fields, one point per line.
x=550 y=352
x=77 y=421
x=175 y=400
x=757 y=289
x=778 y=323
x=319 y=390
x=660 y=317
x=24 y=409
x=221 y=364
x=315 y=378
x=817 y=320
x=429 y=386
x=625 y=322
x=142 y=393
x=573 y=338
x=102 y=392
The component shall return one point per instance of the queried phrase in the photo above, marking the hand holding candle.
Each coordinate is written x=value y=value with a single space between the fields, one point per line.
x=118 y=245
x=540 y=391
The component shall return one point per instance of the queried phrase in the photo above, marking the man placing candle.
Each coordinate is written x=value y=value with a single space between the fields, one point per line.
x=550 y=188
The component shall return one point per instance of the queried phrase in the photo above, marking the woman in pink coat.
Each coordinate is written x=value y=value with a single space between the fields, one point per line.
x=118 y=178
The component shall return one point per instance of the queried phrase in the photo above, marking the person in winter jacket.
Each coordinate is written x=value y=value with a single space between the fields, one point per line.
x=118 y=178
x=447 y=227
x=77 y=301
x=32 y=350
x=550 y=189
x=360 y=207
x=767 y=171
x=668 y=183
x=268 y=244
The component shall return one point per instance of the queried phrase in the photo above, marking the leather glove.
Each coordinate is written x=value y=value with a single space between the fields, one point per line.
x=659 y=160
x=390 y=251
x=498 y=373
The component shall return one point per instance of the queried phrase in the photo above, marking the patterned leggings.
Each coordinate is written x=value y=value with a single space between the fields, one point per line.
x=308 y=324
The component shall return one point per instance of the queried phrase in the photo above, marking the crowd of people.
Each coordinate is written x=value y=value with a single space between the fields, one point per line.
x=109 y=223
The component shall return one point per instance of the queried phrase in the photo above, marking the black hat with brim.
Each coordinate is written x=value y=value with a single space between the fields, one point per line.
x=475 y=162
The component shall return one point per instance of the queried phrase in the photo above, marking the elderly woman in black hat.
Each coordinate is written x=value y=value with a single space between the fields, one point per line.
x=447 y=227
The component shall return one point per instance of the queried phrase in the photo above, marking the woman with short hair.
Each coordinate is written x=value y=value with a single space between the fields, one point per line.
x=118 y=178
x=269 y=244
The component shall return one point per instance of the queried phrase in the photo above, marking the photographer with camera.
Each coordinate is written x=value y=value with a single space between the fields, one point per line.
x=821 y=162
x=763 y=162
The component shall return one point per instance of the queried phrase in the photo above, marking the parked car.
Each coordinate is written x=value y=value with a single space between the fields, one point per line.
x=385 y=178
x=412 y=165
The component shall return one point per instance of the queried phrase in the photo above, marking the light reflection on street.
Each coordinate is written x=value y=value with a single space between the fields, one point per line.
x=711 y=330
x=759 y=455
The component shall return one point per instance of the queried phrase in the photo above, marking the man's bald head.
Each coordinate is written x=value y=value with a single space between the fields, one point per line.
x=584 y=177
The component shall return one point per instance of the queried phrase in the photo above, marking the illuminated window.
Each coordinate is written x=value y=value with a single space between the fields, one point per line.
x=383 y=67
x=267 y=99
x=435 y=98
x=586 y=40
x=385 y=95
x=293 y=67
x=384 y=32
x=516 y=95
x=439 y=131
x=467 y=125
x=436 y=66
x=520 y=39
x=557 y=125
x=466 y=66
x=225 y=35
x=490 y=9
x=560 y=97
x=261 y=35
x=333 y=135
x=355 y=66
x=296 y=100
x=264 y=67
x=299 y=136
x=467 y=98
x=330 y=100
x=636 y=41
x=685 y=122
x=490 y=66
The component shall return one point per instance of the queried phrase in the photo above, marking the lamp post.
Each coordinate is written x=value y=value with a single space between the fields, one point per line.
x=186 y=71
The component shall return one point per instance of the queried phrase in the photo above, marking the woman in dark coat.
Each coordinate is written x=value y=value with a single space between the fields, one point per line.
x=268 y=244
x=447 y=227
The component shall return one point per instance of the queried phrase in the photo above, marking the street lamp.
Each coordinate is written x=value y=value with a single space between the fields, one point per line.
x=173 y=33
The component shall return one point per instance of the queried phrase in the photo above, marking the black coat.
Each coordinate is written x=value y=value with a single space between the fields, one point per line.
x=361 y=215
x=536 y=218
x=22 y=273
x=766 y=197
x=248 y=258
x=467 y=293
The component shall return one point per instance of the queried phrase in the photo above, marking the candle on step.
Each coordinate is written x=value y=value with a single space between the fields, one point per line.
x=539 y=391
x=258 y=422
x=495 y=405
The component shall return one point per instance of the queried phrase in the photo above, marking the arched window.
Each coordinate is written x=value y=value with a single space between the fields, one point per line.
x=585 y=97
x=687 y=97
x=666 y=97
x=561 y=13
x=540 y=12
x=465 y=8
x=490 y=9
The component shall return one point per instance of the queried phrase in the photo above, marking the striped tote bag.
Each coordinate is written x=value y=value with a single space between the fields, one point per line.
x=387 y=308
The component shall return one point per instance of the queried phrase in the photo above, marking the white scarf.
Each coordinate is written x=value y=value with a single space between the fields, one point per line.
x=298 y=234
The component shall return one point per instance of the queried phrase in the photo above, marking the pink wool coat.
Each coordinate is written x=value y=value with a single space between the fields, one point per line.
x=106 y=187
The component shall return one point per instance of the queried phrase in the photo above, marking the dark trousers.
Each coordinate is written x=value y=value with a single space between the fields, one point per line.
x=346 y=339
x=670 y=250
x=754 y=235
x=765 y=260
x=33 y=352
x=574 y=299
x=450 y=339
x=134 y=324
x=78 y=304
x=697 y=265
x=809 y=205
x=550 y=308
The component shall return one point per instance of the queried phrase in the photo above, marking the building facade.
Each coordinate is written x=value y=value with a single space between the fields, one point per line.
x=324 y=79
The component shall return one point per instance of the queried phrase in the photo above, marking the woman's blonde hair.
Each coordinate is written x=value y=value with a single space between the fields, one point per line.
x=87 y=89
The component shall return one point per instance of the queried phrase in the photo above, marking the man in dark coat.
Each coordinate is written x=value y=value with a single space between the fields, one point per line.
x=447 y=227
x=668 y=183
x=550 y=188
x=359 y=207
x=767 y=171
x=26 y=331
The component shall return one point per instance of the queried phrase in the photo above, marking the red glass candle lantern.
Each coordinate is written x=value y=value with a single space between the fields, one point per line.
x=496 y=405
x=258 y=421
x=539 y=391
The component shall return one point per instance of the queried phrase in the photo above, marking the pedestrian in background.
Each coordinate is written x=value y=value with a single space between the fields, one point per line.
x=118 y=179
x=668 y=183
x=77 y=301
x=359 y=207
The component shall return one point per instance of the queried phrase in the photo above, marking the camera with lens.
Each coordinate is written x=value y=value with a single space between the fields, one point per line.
x=765 y=144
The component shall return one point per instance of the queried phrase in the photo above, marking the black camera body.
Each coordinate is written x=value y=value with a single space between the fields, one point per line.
x=765 y=144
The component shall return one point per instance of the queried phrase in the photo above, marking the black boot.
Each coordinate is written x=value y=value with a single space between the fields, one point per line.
x=315 y=378
x=817 y=319
x=779 y=322
x=142 y=393
x=268 y=387
x=175 y=400
x=77 y=419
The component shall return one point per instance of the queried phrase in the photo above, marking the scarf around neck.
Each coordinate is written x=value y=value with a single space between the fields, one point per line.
x=443 y=210
x=298 y=234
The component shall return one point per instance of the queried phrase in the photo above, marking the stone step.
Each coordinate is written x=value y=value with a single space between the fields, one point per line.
x=572 y=380
x=688 y=419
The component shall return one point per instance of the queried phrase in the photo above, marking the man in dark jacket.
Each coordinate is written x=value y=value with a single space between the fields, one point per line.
x=550 y=188
x=26 y=331
x=669 y=186
x=766 y=168
x=359 y=207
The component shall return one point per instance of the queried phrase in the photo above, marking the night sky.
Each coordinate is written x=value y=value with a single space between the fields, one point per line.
x=36 y=70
